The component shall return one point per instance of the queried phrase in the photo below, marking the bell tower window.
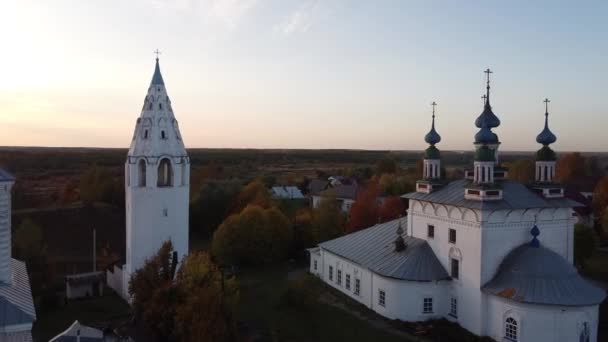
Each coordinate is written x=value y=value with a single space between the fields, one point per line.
x=165 y=173
x=141 y=173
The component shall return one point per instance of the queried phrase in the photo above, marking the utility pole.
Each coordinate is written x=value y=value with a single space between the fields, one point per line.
x=94 y=251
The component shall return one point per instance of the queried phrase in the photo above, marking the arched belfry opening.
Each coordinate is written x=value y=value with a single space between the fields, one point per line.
x=165 y=173
x=141 y=173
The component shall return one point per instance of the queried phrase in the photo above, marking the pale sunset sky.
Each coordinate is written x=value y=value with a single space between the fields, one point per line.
x=304 y=74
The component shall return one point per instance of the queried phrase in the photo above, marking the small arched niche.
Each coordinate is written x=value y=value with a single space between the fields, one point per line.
x=165 y=173
x=141 y=173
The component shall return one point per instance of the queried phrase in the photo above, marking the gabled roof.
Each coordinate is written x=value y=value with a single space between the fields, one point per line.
x=374 y=248
x=315 y=186
x=515 y=196
x=79 y=332
x=5 y=176
x=16 y=303
x=348 y=191
x=286 y=192
x=538 y=275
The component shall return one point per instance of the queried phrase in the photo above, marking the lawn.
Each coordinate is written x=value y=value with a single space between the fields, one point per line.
x=597 y=267
x=265 y=312
x=95 y=311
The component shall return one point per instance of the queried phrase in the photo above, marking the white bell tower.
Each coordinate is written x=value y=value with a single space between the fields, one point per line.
x=157 y=182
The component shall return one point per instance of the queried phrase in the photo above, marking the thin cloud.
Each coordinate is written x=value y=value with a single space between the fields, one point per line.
x=227 y=13
x=301 y=19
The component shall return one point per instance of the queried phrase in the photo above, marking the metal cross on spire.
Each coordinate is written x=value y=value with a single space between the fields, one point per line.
x=157 y=53
x=484 y=97
x=434 y=104
x=488 y=72
x=546 y=101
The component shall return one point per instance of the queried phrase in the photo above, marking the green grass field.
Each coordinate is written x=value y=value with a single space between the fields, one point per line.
x=264 y=311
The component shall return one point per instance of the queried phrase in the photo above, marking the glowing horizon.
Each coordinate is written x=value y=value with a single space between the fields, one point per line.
x=303 y=74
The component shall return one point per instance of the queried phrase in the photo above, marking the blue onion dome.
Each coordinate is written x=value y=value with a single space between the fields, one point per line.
x=546 y=137
x=432 y=153
x=484 y=154
x=487 y=116
x=535 y=232
x=546 y=154
x=486 y=136
x=432 y=137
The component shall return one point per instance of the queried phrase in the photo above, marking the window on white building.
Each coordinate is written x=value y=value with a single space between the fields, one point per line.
x=452 y=236
x=381 y=298
x=454 y=307
x=331 y=273
x=315 y=265
x=347 y=282
x=427 y=305
x=339 y=280
x=511 y=329
x=430 y=231
x=455 y=268
x=357 y=286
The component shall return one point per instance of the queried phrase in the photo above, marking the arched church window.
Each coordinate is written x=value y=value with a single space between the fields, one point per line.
x=511 y=329
x=146 y=134
x=150 y=106
x=160 y=106
x=141 y=173
x=165 y=173
x=163 y=135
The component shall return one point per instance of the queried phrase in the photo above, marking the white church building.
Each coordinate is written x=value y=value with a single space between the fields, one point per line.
x=157 y=186
x=489 y=253
x=17 y=311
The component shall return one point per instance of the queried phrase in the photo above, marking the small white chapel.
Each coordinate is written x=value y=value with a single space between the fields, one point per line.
x=491 y=254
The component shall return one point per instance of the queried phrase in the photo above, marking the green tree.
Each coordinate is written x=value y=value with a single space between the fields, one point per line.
x=28 y=242
x=212 y=205
x=254 y=193
x=394 y=185
x=585 y=244
x=154 y=294
x=570 y=167
x=522 y=171
x=327 y=220
x=386 y=165
x=209 y=301
x=97 y=184
x=600 y=198
x=195 y=305
x=253 y=237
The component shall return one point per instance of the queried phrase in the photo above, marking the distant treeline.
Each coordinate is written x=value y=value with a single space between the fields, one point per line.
x=36 y=159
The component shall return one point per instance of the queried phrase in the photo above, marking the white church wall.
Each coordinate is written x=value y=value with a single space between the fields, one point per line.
x=540 y=322
x=355 y=271
x=5 y=232
x=403 y=299
x=155 y=215
x=466 y=250
x=505 y=230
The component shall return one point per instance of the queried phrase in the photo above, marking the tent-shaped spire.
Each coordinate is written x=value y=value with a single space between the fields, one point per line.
x=157 y=78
